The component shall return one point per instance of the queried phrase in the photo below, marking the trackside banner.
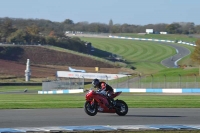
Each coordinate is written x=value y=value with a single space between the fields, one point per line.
x=103 y=76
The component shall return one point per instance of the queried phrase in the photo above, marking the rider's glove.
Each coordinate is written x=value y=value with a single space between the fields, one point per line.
x=99 y=90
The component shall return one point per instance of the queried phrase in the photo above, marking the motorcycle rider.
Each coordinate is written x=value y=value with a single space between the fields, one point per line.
x=109 y=91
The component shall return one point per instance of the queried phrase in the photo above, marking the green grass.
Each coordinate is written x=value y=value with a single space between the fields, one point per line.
x=174 y=75
x=177 y=71
x=171 y=37
x=77 y=53
x=187 y=60
x=31 y=101
x=18 y=101
x=145 y=56
x=19 y=88
x=134 y=51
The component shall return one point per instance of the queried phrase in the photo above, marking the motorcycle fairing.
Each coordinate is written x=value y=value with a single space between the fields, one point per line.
x=116 y=94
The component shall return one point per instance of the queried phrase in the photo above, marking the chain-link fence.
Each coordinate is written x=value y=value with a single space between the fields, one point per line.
x=157 y=82
x=129 y=82
x=70 y=83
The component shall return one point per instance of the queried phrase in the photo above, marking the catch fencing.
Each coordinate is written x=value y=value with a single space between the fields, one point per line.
x=128 y=82
x=65 y=84
x=157 y=82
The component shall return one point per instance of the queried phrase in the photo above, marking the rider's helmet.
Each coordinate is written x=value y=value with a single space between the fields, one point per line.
x=95 y=82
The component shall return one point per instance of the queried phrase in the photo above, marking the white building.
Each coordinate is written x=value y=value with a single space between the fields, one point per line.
x=149 y=31
x=162 y=32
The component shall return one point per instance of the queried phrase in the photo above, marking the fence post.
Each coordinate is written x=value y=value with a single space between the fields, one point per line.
x=195 y=80
x=83 y=82
x=107 y=79
x=69 y=83
x=139 y=83
x=179 y=80
x=165 y=81
x=117 y=81
x=128 y=81
x=151 y=81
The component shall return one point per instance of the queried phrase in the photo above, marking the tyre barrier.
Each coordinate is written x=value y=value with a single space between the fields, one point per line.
x=155 y=40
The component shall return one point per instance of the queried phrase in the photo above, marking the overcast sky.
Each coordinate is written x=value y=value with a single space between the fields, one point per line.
x=140 y=12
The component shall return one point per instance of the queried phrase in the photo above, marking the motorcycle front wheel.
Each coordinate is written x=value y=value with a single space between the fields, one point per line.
x=90 y=109
x=121 y=108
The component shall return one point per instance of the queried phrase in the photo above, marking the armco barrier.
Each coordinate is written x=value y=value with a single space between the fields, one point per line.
x=61 y=91
x=136 y=90
x=159 y=90
x=147 y=39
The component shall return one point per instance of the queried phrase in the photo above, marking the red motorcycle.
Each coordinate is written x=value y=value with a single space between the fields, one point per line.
x=97 y=102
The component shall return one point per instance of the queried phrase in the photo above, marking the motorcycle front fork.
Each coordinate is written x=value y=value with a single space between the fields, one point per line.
x=92 y=103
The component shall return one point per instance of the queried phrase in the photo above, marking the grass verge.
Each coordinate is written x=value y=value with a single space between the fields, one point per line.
x=139 y=100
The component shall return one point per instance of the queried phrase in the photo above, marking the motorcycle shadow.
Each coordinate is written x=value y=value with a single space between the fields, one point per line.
x=158 y=116
x=174 y=116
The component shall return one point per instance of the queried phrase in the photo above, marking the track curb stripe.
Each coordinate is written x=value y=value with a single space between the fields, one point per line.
x=144 y=90
x=100 y=128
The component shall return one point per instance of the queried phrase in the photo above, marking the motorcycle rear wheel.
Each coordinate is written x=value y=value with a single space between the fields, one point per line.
x=90 y=109
x=121 y=108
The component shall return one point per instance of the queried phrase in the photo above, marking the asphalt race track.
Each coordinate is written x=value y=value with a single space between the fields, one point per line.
x=77 y=117
x=181 y=52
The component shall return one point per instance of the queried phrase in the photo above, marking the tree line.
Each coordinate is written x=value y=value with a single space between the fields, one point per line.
x=37 y=32
x=46 y=27
x=34 y=30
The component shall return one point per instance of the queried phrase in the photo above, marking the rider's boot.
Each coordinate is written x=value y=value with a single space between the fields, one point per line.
x=109 y=106
x=111 y=103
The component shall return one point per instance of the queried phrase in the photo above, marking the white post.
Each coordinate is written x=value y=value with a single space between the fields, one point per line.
x=27 y=71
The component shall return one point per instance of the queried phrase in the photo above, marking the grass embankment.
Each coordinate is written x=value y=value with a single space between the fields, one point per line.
x=31 y=101
x=78 y=53
x=145 y=56
x=172 y=37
